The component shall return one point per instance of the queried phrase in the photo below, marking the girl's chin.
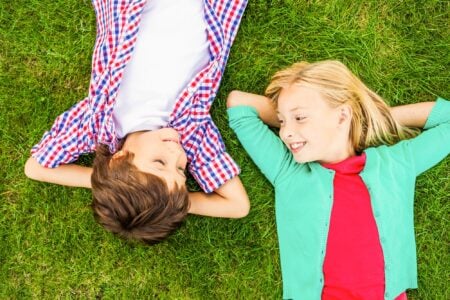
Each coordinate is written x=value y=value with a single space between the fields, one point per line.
x=301 y=160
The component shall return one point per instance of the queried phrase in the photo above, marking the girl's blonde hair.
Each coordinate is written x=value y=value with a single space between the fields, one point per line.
x=372 y=123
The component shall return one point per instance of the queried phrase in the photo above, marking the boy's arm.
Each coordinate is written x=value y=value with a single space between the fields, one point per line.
x=412 y=115
x=69 y=174
x=263 y=105
x=228 y=201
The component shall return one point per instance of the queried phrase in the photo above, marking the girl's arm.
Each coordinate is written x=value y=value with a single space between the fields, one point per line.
x=433 y=144
x=263 y=105
x=412 y=115
x=228 y=201
x=246 y=115
x=69 y=175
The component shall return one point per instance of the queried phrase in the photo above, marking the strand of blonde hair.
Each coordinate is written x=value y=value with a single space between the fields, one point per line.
x=372 y=122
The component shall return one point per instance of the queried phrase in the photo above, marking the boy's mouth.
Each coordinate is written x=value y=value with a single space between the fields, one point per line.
x=172 y=140
x=296 y=147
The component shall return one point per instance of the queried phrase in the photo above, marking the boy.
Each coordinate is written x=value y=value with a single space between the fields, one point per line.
x=155 y=72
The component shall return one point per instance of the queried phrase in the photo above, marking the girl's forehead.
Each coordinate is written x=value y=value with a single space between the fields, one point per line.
x=299 y=97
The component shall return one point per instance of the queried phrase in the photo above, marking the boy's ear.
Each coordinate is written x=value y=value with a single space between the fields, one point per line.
x=119 y=154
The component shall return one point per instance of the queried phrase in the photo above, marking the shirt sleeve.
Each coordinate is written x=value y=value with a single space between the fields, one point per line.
x=229 y=14
x=264 y=147
x=69 y=137
x=211 y=165
x=433 y=144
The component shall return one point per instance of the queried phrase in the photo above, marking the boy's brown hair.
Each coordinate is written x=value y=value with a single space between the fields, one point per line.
x=133 y=204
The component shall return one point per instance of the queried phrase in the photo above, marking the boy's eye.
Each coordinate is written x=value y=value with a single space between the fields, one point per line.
x=159 y=161
x=182 y=171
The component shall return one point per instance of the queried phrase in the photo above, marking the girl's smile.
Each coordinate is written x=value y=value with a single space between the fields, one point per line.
x=311 y=128
x=296 y=147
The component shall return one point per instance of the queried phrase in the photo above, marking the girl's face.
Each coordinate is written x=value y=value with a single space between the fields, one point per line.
x=311 y=129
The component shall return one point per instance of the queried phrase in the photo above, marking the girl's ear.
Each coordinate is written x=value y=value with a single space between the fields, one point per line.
x=345 y=114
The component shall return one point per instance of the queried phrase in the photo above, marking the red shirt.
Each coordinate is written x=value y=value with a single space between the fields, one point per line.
x=354 y=262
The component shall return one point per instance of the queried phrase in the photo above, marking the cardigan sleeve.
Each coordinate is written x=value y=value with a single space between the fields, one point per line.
x=433 y=144
x=264 y=147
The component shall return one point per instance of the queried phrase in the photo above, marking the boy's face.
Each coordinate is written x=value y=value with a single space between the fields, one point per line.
x=158 y=152
x=311 y=129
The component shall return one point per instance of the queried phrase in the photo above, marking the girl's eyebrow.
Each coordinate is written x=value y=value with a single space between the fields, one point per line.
x=293 y=109
x=298 y=108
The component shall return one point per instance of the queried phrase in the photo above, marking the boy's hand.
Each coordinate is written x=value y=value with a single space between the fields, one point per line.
x=69 y=175
x=228 y=201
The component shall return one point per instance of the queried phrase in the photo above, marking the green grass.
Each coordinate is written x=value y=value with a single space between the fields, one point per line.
x=52 y=248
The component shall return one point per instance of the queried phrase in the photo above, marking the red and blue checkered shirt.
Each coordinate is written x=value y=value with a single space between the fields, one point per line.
x=89 y=122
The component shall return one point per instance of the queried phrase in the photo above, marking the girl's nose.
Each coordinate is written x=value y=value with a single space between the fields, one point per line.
x=286 y=133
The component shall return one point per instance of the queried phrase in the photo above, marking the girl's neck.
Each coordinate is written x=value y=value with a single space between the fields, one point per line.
x=338 y=156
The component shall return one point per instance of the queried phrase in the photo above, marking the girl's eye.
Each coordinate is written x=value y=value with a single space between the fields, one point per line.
x=299 y=118
x=280 y=121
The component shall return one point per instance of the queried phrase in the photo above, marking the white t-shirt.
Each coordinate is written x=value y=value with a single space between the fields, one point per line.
x=171 y=48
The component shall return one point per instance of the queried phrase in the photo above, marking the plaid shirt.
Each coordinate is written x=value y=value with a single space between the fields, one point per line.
x=89 y=122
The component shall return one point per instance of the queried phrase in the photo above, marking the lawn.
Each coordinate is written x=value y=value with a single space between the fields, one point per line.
x=51 y=246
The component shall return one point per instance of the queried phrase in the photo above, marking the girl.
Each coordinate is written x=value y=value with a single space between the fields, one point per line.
x=344 y=179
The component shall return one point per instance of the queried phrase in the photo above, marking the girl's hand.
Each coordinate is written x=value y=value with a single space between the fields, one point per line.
x=263 y=105
x=412 y=115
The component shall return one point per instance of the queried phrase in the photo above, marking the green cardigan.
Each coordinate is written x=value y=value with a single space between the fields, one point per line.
x=304 y=194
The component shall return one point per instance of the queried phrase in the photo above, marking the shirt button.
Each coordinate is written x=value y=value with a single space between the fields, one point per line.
x=377 y=214
x=191 y=90
x=383 y=240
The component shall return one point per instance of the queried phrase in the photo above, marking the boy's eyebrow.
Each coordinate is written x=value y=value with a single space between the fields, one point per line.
x=165 y=169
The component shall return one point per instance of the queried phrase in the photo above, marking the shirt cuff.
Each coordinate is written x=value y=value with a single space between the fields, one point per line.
x=214 y=174
x=49 y=153
x=240 y=111
x=440 y=113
